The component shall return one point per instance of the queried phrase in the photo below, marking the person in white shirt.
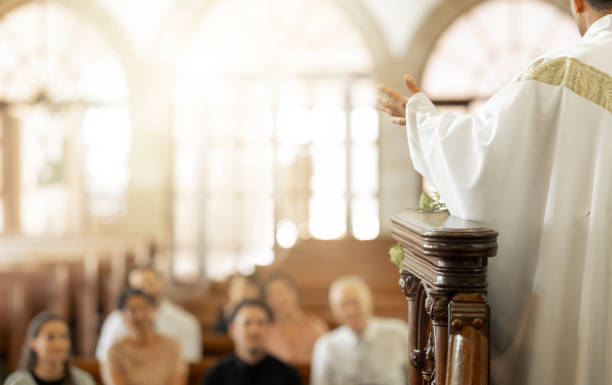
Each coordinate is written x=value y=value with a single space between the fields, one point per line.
x=169 y=319
x=536 y=165
x=364 y=349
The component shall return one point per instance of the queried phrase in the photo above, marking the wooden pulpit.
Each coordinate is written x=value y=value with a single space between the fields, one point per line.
x=444 y=279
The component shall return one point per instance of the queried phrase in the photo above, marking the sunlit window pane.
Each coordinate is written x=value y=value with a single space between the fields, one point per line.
x=366 y=224
x=364 y=169
x=328 y=125
x=364 y=125
x=186 y=265
x=221 y=169
x=329 y=169
x=189 y=129
x=186 y=217
x=221 y=220
x=185 y=167
x=222 y=125
x=107 y=140
x=257 y=126
x=257 y=170
x=329 y=94
x=327 y=216
x=45 y=184
x=257 y=223
x=294 y=125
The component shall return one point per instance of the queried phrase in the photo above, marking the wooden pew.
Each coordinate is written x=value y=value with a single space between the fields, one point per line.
x=215 y=344
x=444 y=279
x=14 y=316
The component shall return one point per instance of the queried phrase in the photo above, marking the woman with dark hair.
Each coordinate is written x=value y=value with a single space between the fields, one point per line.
x=45 y=355
x=143 y=357
x=294 y=331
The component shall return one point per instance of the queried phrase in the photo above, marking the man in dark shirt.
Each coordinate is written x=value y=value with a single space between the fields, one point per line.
x=251 y=364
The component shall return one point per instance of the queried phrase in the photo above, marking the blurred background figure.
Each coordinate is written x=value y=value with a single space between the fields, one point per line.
x=45 y=355
x=143 y=357
x=240 y=287
x=294 y=331
x=251 y=364
x=169 y=319
x=364 y=349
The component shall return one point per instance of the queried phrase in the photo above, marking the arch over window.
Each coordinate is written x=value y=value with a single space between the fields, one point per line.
x=65 y=124
x=275 y=128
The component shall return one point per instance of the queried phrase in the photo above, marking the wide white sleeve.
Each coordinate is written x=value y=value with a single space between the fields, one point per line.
x=113 y=329
x=322 y=363
x=471 y=159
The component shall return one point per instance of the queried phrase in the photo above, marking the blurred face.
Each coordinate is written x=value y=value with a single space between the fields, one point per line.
x=138 y=314
x=352 y=308
x=147 y=281
x=241 y=288
x=250 y=330
x=52 y=344
x=281 y=297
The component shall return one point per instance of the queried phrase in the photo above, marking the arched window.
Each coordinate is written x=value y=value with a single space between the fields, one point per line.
x=274 y=120
x=65 y=125
x=488 y=46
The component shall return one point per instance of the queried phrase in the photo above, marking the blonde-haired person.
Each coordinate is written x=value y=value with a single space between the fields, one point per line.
x=364 y=349
x=46 y=353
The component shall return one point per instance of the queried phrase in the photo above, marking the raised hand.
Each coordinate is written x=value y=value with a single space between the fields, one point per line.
x=393 y=103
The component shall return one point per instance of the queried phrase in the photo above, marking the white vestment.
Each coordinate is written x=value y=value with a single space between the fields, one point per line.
x=536 y=165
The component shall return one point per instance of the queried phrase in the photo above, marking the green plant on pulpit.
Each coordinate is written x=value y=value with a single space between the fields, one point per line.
x=429 y=203
x=396 y=255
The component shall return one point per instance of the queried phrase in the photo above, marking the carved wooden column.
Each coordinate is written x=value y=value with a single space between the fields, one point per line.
x=410 y=286
x=443 y=276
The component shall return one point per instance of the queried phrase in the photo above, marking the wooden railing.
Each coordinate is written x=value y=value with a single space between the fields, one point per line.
x=444 y=279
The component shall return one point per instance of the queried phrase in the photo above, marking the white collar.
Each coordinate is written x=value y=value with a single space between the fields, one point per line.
x=600 y=25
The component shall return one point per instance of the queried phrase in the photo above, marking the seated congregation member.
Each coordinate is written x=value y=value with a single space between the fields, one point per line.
x=169 y=319
x=45 y=355
x=294 y=331
x=240 y=287
x=251 y=364
x=364 y=349
x=143 y=357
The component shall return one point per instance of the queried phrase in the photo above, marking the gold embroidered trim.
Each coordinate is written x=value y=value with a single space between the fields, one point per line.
x=580 y=78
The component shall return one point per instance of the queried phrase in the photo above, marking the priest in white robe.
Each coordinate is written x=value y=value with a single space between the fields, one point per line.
x=536 y=165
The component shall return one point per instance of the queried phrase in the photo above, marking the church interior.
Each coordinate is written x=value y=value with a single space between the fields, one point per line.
x=214 y=138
